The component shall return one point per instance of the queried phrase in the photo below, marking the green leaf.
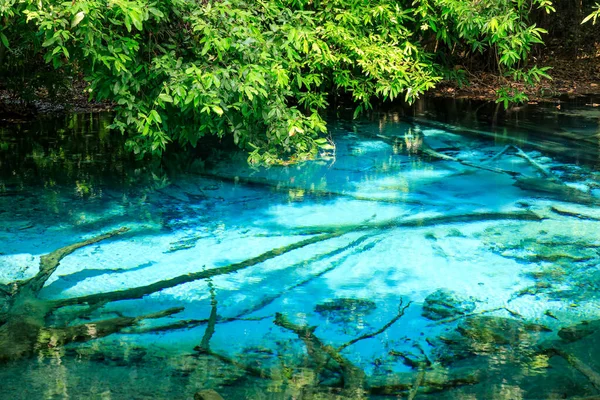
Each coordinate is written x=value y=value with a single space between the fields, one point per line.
x=217 y=110
x=156 y=12
x=166 y=98
x=4 y=40
x=586 y=19
x=77 y=19
x=50 y=41
x=155 y=116
x=137 y=21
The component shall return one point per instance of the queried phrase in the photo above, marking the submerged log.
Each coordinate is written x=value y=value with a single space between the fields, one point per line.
x=354 y=246
x=55 y=337
x=567 y=213
x=498 y=155
x=432 y=381
x=24 y=314
x=556 y=190
x=204 y=346
x=141 y=291
x=579 y=365
x=353 y=377
x=412 y=222
x=537 y=166
x=49 y=262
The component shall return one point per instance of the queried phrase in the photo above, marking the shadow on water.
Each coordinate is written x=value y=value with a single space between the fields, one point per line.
x=445 y=251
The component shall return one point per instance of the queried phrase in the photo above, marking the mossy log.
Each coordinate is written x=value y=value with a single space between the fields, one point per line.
x=576 y=363
x=535 y=164
x=204 y=346
x=24 y=316
x=354 y=247
x=49 y=262
x=52 y=337
x=141 y=291
x=413 y=222
x=353 y=377
x=23 y=327
x=435 y=380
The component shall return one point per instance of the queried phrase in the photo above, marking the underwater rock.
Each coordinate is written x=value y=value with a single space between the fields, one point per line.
x=410 y=359
x=343 y=310
x=207 y=395
x=579 y=331
x=183 y=244
x=556 y=251
x=455 y=233
x=497 y=330
x=445 y=303
x=480 y=334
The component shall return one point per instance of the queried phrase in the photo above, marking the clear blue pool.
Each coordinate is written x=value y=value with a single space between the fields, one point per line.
x=423 y=259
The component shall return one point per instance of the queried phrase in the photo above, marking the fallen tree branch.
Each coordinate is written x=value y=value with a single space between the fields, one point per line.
x=567 y=213
x=141 y=291
x=185 y=324
x=418 y=381
x=579 y=365
x=498 y=155
x=379 y=331
x=425 y=149
x=543 y=170
x=53 y=337
x=270 y=299
x=423 y=222
x=49 y=262
x=204 y=346
x=354 y=377
x=432 y=153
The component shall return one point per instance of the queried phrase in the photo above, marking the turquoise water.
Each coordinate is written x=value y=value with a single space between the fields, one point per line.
x=432 y=254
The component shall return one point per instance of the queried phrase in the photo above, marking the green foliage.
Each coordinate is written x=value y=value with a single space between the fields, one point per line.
x=508 y=96
x=262 y=72
x=22 y=69
x=593 y=15
x=498 y=30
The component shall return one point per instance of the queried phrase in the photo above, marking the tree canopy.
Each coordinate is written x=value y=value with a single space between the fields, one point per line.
x=262 y=72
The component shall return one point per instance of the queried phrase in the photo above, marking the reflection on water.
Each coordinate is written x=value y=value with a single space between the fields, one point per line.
x=423 y=259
